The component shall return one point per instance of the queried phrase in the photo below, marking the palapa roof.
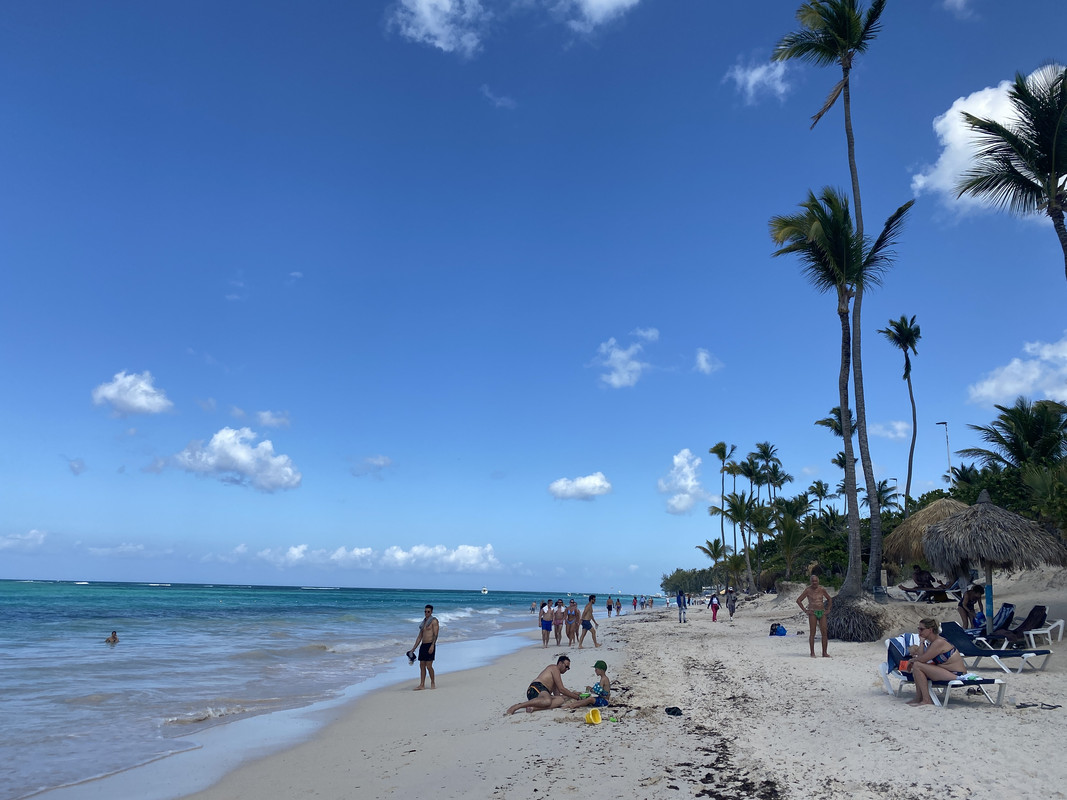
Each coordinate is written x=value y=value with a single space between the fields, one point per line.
x=988 y=534
x=905 y=542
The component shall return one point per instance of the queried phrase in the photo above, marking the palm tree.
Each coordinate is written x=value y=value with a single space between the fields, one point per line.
x=833 y=422
x=904 y=335
x=820 y=490
x=724 y=453
x=834 y=257
x=887 y=496
x=791 y=541
x=1023 y=165
x=733 y=469
x=835 y=32
x=739 y=509
x=777 y=478
x=713 y=549
x=1026 y=433
x=751 y=468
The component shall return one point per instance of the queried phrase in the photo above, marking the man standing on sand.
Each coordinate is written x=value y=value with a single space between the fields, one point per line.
x=588 y=622
x=426 y=641
x=547 y=689
x=819 y=605
x=680 y=599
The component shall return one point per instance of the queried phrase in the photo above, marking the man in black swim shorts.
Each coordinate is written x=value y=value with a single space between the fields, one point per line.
x=547 y=689
x=426 y=641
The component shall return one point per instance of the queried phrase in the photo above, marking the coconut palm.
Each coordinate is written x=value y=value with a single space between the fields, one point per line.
x=777 y=478
x=834 y=257
x=724 y=453
x=792 y=539
x=833 y=422
x=835 y=32
x=1026 y=433
x=1022 y=165
x=739 y=510
x=713 y=549
x=887 y=496
x=820 y=490
x=904 y=334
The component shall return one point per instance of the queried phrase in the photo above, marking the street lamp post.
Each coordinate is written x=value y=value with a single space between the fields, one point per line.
x=948 y=452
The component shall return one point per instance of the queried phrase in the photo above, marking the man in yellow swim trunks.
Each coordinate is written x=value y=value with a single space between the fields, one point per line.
x=819 y=605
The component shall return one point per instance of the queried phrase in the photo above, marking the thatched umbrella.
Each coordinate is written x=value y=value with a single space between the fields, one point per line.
x=906 y=540
x=992 y=536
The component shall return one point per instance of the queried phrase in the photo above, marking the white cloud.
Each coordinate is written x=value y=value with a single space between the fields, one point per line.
x=756 y=80
x=961 y=8
x=231 y=458
x=286 y=558
x=1043 y=375
x=124 y=549
x=648 y=334
x=373 y=466
x=23 y=541
x=271 y=419
x=683 y=483
x=585 y=488
x=624 y=367
x=76 y=465
x=891 y=430
x=957 y=145
x=231 y=557
x=237 y=413
x=454 y=26
x=586 y=15
x=498 y=102
x=132 y=394
x=706 y=362
x=465 y=558
x=356 y=557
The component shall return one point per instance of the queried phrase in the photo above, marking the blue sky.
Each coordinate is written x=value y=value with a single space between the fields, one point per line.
x=449 y=293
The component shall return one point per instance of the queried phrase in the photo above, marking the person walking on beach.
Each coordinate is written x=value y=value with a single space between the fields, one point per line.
x=611 y=605
x=547 y=689
x=570 y=618
x=819 y=605
x=731 y=601
x=589 y=624
x=426 y=641
x=558 y=616
x=680 y=600
x=618 y=607
x=545 y=620
x=714 y=603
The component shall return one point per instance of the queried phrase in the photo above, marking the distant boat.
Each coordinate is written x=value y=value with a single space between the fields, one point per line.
x=485 y=590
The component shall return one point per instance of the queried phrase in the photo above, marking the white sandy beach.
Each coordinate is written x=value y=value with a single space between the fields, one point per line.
x=761 y=719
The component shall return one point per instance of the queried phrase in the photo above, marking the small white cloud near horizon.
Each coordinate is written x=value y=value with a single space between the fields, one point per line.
x=956 y=141
x=683 y=483
x=373 y=466
x=124 y=549
x=23 y=542
x=272 y=419
x=706 y=362
x=437 y=558
x=584 y=488
x=1042 y=376
x=623 y=365
x=231 y=458
x=756 y=80
x=498 y=102
x=132 y=394
x=894 y=429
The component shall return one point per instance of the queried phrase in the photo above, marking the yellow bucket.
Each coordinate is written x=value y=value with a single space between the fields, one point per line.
x=592 y=716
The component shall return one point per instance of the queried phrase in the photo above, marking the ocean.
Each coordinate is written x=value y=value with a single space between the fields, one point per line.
x=193 y=657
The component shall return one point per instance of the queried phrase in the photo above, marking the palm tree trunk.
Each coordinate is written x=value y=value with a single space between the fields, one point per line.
x=851 y=586
x=874 y=565
x=1061 y=231
x=850 y=140
x=748 y=561
x=722 y=508
x=911 y=452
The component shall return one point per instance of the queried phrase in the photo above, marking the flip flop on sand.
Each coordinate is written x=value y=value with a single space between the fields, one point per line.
x=1026 y=705
x=1049 y=706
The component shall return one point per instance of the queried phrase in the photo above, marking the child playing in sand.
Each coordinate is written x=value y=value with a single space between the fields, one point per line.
x=599 y=692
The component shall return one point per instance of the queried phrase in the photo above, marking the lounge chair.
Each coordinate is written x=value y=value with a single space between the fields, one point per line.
x=1046 y=632
x=968 y=648
x=940 y=691
x=1002 y=619
x=1003 y=638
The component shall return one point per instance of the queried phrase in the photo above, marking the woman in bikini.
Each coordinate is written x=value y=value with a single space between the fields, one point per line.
x=971 y=598
x=936 y=660
x=570 y=619
x=558 y=615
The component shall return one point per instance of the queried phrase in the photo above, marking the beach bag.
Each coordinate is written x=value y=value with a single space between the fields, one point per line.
x=979 y=619
x=897 y=650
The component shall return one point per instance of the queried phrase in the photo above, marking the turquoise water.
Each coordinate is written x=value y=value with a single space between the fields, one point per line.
x=194 y=656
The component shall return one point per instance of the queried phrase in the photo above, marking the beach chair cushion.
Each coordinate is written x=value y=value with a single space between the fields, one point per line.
x=968 y=648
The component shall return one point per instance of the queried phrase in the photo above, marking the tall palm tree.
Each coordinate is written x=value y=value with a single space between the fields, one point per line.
x=904 y=334
x=733 y=469
x=820 y=490
x=751 y=468
x=835 y=32
x=777 y=478
x=791 y=541
x=887 y=496
x=1026 y=433
x=724 y=453
x=1023 y=164
x=739 y=509
x=713 y=549
x=834 y=258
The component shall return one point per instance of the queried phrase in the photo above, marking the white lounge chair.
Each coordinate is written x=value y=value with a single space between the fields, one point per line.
x=940 y=691
x=1047 y=632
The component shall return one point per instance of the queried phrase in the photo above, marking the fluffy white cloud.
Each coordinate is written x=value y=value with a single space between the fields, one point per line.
x=957 y=144
x=289 y=557
x=585 y=488
x=682 y=483
x=271 y=419
x=132 y=394
x=231 y=458
x=891 y=430
x=586 y=15
x=454 y=26
x=1043 y=375
x=373 y=466
x=756 y=80
x=706 y=362
x=648 y=334
x=23 y=541
x=465 y=558
x=623 y=365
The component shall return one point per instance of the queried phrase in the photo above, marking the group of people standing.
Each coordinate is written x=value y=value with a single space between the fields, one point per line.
x=559 y=618
x=684 y=600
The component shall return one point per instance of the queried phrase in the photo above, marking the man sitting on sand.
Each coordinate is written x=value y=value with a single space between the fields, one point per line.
x=819 y=605
x=547 y=689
